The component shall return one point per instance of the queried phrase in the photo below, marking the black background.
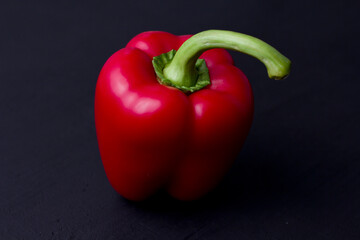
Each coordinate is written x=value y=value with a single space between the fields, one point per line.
x=297 y=177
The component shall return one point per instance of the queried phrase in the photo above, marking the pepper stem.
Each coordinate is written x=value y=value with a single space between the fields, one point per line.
x=181 y=70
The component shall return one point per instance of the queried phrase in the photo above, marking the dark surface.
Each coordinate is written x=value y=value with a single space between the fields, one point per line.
x=297 y=177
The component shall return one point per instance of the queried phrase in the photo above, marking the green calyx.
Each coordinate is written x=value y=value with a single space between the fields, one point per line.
x=182 y=69
x=202 y=78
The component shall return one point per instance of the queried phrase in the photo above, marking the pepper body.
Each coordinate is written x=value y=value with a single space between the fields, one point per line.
x=153 y=136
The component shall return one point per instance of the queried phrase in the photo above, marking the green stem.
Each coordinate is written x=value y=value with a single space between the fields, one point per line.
x=181 y=70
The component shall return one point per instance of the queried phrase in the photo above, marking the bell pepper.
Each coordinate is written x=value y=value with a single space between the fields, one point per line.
x=172 y=112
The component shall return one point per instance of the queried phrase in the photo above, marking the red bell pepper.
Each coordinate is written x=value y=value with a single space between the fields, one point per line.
x=165 y=119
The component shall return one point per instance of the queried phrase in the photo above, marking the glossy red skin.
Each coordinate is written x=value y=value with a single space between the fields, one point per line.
x=153 y=136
